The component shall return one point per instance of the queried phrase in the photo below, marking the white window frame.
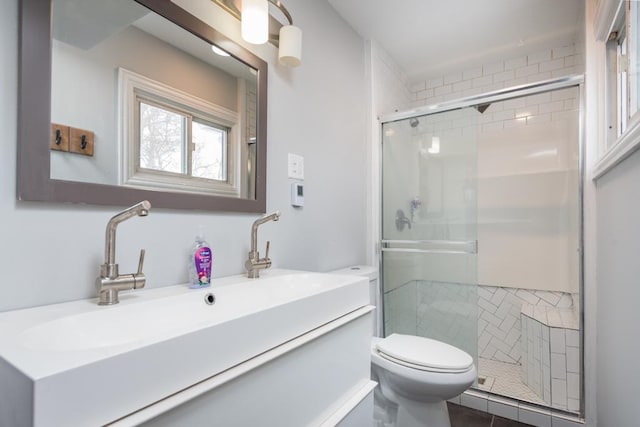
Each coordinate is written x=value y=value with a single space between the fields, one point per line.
x=133 y=87
x=622 y=135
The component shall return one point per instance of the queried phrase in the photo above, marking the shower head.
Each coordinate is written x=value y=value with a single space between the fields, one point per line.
x=481 y=107
x=414 y=122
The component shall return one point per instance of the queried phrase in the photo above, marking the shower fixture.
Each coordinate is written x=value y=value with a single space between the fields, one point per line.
x=481 y=107
x=414 y=122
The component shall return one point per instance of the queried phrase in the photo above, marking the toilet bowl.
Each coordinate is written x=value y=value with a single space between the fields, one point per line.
x=416 y=375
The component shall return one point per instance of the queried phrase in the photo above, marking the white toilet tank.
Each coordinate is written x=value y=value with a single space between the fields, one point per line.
x=374 y=292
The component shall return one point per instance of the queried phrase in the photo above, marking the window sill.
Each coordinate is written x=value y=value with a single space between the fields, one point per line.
x=628 y=143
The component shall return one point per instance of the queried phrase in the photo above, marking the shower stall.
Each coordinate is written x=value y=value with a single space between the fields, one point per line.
x=481 y=235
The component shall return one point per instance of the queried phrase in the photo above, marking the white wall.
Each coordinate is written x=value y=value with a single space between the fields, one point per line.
x=51 y=252
x=618 y=293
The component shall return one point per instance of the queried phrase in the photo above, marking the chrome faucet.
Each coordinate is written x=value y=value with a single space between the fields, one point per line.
x=254 y=264
x=110 y=281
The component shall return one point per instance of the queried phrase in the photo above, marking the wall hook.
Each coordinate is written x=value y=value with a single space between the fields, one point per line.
x=83 y=141
x=58 y=137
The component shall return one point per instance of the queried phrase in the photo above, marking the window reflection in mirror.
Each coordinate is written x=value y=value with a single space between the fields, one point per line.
x=189 y=124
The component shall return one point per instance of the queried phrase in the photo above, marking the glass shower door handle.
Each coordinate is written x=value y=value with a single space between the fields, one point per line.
x=431 y=246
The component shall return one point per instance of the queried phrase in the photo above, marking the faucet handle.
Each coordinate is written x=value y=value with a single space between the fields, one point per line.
x=266 y=252
x=141 y=262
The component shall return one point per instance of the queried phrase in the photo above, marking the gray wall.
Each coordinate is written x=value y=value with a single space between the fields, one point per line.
x=51 y=252
x=618 y=294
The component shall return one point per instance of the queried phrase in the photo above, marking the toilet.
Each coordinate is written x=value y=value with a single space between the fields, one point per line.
x=415 y=375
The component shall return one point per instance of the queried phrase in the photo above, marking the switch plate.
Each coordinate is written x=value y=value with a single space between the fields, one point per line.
x=296 y=166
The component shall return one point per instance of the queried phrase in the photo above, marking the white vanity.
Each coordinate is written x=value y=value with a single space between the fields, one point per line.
x=288 y=349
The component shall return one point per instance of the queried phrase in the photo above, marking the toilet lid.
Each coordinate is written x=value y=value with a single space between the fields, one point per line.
x=424 y=353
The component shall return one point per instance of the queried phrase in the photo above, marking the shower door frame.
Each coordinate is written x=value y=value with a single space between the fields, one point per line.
x=490 y=97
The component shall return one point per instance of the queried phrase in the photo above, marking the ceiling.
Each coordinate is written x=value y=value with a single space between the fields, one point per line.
x=433 y=37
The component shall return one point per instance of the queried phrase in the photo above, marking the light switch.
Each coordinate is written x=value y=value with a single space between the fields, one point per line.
x=296 y=166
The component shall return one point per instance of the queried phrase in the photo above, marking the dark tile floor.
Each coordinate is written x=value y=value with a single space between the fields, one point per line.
x=462 y=416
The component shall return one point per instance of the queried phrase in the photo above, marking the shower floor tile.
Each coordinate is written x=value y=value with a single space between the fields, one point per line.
x=504 y=379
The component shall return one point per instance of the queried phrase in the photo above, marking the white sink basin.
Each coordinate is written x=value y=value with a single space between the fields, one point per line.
x=79 y=363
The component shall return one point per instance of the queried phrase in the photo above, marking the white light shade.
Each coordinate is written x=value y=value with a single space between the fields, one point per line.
x=255 y=21
x=290 y=51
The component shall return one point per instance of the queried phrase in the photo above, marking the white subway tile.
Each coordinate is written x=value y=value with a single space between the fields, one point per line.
x=443 y=90
x=482 y=81
x=515 y=123
x=518 y=81
x=533 y=78
x=573 y=360
x=570 y=61
x=492 y=126
x=537 y=57
x=538 y=99
x=558 y=366
x=504 y=76
x=557 y=340
x=472 y=91
x=550 y=108
x=474 y=400
x=498 y=296
x=561 y=420
x=527 y=71
x=563 y=51
x=534 y=416
x=502 y=408
x=563 y=94
x=494 y=68
x=452 y=96
x=514 y=103
x=432 y=83
x=452 y=78
x=559 y=392
x=572 y=338
x=554 y=64
x=566 y=71
x=540 y=118
x=573 y=385
x=527 y=296
x=512 y=64
x=496 y=333
x=416 y=87
x=573 y=404
x=461 y=86
x=472 y=73
x=504 y=115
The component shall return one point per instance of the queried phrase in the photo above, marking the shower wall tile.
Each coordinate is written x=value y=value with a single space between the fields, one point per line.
x=537 y=57
x=556 y=62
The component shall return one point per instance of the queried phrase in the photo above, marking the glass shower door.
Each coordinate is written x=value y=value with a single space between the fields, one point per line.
x=429 y=227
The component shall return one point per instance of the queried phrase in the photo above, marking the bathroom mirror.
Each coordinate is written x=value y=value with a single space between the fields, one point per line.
x=126 y=100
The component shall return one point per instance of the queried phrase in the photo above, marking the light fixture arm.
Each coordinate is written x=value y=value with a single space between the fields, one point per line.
x=283 y=9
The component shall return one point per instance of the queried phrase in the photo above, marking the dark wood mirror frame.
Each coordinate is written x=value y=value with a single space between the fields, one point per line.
x=34 y=118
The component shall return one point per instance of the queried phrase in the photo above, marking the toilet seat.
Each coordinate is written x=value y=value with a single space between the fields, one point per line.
x=424 y=354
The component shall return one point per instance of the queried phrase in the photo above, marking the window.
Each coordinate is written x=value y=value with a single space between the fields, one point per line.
x=176 y=142
x=171 y=139
x=623 y=72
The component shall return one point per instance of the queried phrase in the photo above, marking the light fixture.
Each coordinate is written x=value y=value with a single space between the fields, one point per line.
x=258 y=27
x=218 y=51
x=255 y=21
